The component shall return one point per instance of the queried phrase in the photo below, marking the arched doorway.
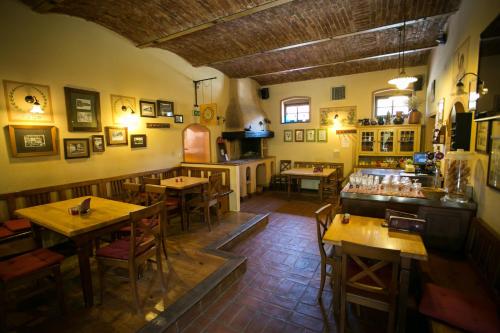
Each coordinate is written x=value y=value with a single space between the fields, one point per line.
x=196 y=144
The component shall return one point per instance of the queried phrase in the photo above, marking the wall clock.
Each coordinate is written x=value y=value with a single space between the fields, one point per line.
x=18 y=108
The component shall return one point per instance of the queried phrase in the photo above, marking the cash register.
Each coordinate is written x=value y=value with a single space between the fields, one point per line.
x=420 y=162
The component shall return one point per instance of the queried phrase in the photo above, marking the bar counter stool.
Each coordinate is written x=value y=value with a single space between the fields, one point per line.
x=29 y=267
x=145 y=241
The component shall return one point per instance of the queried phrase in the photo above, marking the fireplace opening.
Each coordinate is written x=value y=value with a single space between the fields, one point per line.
x=250 y=148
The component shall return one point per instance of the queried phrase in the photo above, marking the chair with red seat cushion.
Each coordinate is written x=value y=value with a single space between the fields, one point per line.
x=207 y=199
x=18 y=225
x=369 y=277
x=473 y=314
x=145 y=241
x=4 y=232
x=30 y=266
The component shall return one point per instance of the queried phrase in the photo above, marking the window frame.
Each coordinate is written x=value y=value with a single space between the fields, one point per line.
x=300 y=100
x=389 y=92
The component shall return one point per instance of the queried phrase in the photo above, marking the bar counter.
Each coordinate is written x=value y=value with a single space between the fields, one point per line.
x=447 y=222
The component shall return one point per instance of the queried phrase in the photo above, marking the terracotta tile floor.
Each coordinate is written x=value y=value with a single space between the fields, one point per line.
x=278 y=291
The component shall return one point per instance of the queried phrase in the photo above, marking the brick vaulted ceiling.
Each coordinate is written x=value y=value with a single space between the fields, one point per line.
x=272 y=41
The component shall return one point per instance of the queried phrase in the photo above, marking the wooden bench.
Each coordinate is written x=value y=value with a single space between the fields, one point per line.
x=110 y=188
x=476 y=276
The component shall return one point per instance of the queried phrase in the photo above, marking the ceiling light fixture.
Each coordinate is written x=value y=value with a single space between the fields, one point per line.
x=36 y=105
x=402 y=80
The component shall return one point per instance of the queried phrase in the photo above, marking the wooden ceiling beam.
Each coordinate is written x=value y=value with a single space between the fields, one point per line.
x=212 y=23
x=323 y=40
x=380 y=56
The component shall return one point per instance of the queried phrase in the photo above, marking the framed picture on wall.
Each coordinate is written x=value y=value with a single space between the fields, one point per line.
x=148 y=109
x=178 y=118
x=494 y=160
x=299 y=135
x=310 y=135
x=116 y=136
x=288 y=136
x=165 y=108
x=83 y=110
x=97 y=143
x=23 y=100
x=76 y=148
x=138 y=141
x=28 y=140
x=482 y=137
x=322 y=135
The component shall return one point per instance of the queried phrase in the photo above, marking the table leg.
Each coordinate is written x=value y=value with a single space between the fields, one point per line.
x=184 y=211
x=320 y=188
x=289 y=185
x=404 y=281
x=336 y=281
x=83 y=251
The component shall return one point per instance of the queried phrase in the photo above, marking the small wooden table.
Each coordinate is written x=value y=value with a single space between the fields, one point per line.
x=184 y=185
x=105 y=215
x=307 y=173
x=369 y=231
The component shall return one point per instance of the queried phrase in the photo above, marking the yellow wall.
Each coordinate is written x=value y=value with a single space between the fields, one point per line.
x=359 y=89
x=468 y=22
x=60 y=51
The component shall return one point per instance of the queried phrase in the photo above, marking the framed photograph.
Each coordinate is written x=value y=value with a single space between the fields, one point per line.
x=20 y=98
x=83 y=110
x=138 y=141
x=310 y=135
x=28 y=140
x=116 y=136
x=344 y=115
x=299 y=135
x=121 y=107
x=97 y=143
x=165 y=108
x=494 y=160
x=482 y=137
x=288 y=136
x=148 y=109
x=178 y=118
x=76 y=148
x=322 y=135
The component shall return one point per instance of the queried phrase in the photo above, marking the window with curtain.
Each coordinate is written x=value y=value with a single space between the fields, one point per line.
x=392 y=101
x=295 y=110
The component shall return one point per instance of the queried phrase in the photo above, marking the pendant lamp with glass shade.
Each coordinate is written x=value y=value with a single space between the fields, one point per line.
x=402 y=80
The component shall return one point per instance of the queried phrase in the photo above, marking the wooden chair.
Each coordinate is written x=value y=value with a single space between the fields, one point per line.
x=146 y=239
x=207 y=199
x=280 y=181
x=132 y=193
x=324 y=217
x=151 y=181
x=32 y=266
x=369 y=277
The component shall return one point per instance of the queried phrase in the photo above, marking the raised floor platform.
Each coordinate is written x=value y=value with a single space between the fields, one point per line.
x=198 y=269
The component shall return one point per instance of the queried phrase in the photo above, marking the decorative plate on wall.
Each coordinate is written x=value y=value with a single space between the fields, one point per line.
x=208 y=113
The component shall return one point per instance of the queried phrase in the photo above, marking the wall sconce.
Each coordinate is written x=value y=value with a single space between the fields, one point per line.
x=481 y=86
x=125 y=108
x=36 y=105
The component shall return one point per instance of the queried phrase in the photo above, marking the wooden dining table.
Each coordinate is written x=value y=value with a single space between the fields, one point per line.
x=104 y=216
x=184 y=185
x=308 y=173
x=369 y=231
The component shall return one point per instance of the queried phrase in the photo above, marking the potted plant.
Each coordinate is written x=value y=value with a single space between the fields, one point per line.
x=414 y=115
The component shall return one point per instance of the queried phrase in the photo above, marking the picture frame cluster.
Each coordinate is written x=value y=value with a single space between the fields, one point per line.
x=306 y=135
x=83 y=113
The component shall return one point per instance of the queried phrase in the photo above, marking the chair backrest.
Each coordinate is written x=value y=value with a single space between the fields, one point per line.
x=323 y=220
x=132 y=193
x=145 y=228
x=214 y=185
x=81 y=191
x=150 y=180
x=155 y=193
x=285 y=165
x=369 y=268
